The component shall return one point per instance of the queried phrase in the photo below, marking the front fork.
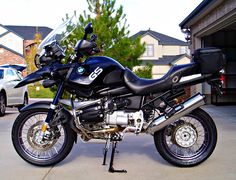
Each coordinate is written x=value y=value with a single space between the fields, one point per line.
x=52 y=109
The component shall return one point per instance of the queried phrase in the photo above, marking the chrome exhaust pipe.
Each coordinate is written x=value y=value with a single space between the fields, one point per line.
x=181 y=110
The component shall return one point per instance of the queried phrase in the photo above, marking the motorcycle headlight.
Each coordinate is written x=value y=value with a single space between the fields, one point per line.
x=42 y=60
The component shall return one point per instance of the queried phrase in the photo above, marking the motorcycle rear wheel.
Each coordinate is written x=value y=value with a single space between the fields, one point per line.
x=188 y=141
x=25 y=132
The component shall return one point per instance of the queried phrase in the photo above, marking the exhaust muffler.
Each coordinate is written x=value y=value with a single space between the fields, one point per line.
x=181 y=110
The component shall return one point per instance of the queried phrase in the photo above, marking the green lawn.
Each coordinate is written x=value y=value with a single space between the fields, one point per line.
x=41 y=93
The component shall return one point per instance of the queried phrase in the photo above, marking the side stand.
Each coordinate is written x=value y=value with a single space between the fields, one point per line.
x=111 y=168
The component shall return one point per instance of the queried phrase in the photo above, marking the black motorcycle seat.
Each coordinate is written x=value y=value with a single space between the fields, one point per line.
x=141 y=86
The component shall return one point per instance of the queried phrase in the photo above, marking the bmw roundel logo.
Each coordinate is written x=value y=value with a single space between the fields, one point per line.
x=80 y=70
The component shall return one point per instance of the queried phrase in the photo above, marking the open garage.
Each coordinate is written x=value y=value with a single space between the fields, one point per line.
x=213 y=24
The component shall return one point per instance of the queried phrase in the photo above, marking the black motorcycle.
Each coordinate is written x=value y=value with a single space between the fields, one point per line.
x=108 y=100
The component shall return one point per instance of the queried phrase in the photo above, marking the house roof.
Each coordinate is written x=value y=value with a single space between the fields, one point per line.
x=28 y=32
x=165 y=60
x=8 y=31
x=3 y=34
x=201 y=10
x=11 y=50
x=162 y=38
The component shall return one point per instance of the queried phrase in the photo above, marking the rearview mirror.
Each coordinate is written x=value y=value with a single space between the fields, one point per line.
x=88 y=28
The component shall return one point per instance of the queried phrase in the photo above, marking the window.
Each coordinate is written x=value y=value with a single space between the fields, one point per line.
x=149 y=52
x=12 y=75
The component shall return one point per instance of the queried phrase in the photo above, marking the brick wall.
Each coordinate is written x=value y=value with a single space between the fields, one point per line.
x=27 y=42
x=8 y=57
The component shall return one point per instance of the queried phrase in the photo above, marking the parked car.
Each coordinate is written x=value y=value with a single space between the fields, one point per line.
x=10 y=75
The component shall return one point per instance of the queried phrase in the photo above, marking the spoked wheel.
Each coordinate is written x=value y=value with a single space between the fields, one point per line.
x=53 y=148
x=2 y=104
x=188 y=141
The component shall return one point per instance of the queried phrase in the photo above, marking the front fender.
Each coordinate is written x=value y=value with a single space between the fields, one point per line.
x=67 y=116
x=37 y=105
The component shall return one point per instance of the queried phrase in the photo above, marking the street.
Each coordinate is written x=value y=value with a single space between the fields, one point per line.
x=137 y=154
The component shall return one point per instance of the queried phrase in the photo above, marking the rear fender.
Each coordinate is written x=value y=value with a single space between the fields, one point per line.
x=67 y=116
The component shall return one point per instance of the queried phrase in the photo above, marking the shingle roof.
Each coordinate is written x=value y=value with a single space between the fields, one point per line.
x=28 y=32
x=165 y=60
x=162 y=38
x=8 y=31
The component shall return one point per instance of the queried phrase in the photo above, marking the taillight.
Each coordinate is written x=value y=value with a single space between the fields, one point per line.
x=222 y=79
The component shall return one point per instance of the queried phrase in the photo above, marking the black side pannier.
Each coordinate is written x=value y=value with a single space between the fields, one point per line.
x=211 y=60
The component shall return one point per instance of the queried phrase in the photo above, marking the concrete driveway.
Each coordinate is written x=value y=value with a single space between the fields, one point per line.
x=137 y=155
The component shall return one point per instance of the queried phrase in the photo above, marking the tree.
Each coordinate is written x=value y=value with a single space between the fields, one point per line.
x=110 y=26
x=144 y=71
x=31 y=51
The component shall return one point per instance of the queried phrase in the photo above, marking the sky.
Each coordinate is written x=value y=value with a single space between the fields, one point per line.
x=163 y=16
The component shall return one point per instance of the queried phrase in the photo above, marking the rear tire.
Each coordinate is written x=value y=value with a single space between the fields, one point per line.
x=189 y=141
x=2 y=104
x=25 y=133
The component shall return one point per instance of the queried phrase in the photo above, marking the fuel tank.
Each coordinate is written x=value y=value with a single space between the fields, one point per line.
x=97 y=71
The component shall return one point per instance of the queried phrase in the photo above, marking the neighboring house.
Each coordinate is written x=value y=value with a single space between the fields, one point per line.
x=162 y=51
x=163 y=64
x=14 y=41
x=11 y=47
x=213 y=24
x=28 y=33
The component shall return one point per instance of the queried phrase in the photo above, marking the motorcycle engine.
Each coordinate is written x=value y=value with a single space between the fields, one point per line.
x=124 y=118
x=92 y=114
x=111 y=112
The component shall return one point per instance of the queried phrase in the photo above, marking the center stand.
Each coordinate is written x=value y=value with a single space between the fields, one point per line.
x=114 y=139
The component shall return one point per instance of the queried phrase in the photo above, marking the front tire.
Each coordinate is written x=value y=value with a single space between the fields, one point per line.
x=188 y=141
x=47 y=152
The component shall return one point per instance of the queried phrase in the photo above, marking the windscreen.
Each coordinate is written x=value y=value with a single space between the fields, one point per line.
x=59 y=33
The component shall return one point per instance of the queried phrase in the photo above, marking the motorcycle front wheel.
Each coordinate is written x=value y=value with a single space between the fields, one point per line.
x=53 y=148
x=188 y=141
